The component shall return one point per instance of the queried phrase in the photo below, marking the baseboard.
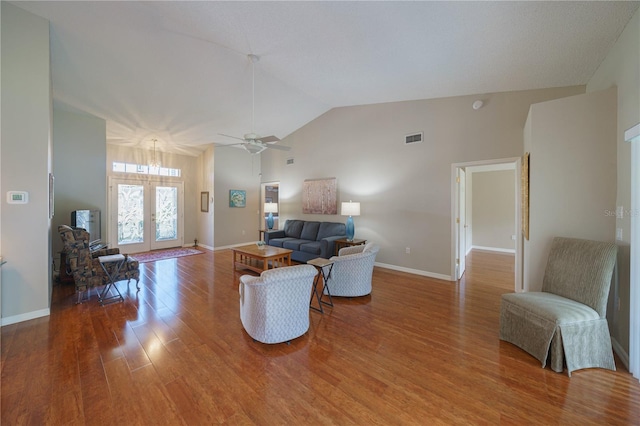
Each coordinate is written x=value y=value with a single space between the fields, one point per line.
x=495 y=249
x=200 y=245
x=414 y=271
x=231 y=246
x=622 y=354
x=26 y=316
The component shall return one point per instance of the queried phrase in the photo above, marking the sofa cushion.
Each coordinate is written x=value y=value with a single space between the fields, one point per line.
x=331 y=229
x=293 y=228
x=314 y=247
x=278 y=242
x=293 y=244
x=310 y=231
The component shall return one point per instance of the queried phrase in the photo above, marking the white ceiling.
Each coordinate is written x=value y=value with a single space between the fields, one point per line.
x=178 y=71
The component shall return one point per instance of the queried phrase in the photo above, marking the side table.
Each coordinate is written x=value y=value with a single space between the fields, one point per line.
x=320 y=265
x=343 y=242
x=111 y=266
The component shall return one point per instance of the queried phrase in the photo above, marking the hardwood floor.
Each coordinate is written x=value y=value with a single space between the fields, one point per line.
x=417 y=351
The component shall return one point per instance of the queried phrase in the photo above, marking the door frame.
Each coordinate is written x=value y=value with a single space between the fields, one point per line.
x=156 y=181
x=455 y=250
x=633 y=136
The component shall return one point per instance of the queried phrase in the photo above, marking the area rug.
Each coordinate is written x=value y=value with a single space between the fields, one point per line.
x=152 y=256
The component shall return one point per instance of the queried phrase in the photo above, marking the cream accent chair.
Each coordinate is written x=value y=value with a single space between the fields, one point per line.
x=567 y=320
x=352 y=271
x=274 y=307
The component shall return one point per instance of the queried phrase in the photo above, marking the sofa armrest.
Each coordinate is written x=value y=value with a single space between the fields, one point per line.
x=273 y=234
x=327 y=245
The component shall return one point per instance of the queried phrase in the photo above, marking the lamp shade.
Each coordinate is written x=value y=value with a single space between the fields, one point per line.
x=271 y=207
x=350 y=209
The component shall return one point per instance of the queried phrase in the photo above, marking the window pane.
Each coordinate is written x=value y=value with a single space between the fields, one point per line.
x=166 y=213
x=130 y=214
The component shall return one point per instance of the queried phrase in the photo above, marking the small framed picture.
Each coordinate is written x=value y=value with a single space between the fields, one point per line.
x=237 y=198
x=204 y=201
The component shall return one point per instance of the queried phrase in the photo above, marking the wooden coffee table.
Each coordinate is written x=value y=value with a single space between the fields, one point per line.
x=257 y=259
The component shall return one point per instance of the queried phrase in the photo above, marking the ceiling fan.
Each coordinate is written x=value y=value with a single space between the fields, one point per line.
x=252 y=142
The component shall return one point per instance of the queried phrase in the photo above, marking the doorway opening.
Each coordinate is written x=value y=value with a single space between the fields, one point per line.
x=270 y=204
x=462 y=230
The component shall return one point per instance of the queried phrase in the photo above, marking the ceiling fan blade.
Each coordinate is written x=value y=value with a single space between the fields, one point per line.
x=270 y=139
x=232 y=137
x=279 y=147
x=229 y=144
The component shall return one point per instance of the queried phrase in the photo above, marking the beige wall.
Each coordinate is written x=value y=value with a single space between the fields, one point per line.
x=26 y=163
x=236 y=169
x=404 y=191
x=79 y=158
x=494 y=210
x=621 y=68
x=189 y=175
x=572 y=175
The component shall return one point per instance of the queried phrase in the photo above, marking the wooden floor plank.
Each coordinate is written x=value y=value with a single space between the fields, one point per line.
x=416 y=351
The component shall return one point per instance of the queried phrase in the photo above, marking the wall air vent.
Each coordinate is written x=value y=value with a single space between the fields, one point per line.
x=413 y=138
x=289 y=161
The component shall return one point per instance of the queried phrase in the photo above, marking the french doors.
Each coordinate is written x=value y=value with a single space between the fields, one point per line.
x=145 y=215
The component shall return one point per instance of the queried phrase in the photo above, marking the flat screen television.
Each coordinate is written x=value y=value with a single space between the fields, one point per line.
x=89 y=220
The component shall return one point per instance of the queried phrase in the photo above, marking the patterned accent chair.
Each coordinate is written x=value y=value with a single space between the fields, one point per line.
x=84 y=265
x=566 y=322
x=352 y=270
x=274 y=307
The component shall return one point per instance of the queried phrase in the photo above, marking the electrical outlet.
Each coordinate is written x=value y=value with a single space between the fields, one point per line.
x=619 y=234
x=513 y=237
x=243 y=232
x=407 y=250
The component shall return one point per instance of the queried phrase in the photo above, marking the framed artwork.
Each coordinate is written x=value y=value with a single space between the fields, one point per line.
x=319 y=196
x=237 y=198
x=524 y=182
x=204 y=201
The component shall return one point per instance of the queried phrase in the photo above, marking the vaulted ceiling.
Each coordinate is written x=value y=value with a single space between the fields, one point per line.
x=178 y=71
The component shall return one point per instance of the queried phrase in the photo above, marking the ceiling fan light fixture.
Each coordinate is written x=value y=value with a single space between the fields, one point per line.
x=254 y=148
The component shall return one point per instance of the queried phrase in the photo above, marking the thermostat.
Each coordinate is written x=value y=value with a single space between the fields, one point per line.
x=17 y=197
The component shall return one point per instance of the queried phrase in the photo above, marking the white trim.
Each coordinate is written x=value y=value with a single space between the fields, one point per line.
x=233 y=245
x=497 y=249
x=619 y=350
x=26 y=316
x=203 y=246
x=632 y=133
x=414 y=271
x=519 y=243
x=634 y=279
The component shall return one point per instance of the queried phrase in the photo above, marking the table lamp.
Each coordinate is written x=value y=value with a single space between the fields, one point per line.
x=270 y=208
x=350 y=209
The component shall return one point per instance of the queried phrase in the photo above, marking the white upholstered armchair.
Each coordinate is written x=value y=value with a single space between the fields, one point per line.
x=352 y=271
x=274 y=307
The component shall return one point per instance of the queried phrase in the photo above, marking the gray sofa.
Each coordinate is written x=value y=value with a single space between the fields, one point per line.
x=307 y=239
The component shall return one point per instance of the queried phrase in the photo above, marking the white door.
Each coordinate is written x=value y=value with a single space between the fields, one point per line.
x=461 y=223
x=145 y=215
